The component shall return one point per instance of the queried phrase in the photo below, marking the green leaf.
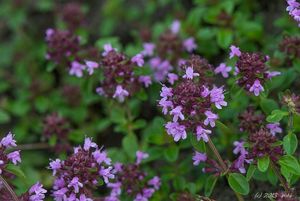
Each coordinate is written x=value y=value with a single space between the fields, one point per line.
x=210 y=185
x=276 y=116
x=263 y=163
x=250 y=172
x=224 y=38
x=171 y=153
x=4 y=117
x=268 y=105
x=16 y=170
x=290 y=164
x=238 y=183
x=198 y=145
x=290 y=143
x=130 y=145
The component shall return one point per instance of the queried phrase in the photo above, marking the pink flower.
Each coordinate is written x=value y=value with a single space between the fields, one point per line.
x=175 y=27
x=199 y=157
x=55 y=165
x=37 y=192
x=101 y=157
x=88 y=143
x=106 y=173
x=165 y=104
x=223 y=69
x=239 y=147
x=176 y=112
x=75 y=184
x=107 y=48
x=176 y=130
x=155 y=182
x=148 y=49
x=205 y=92
x=172 y=77
x=217 y=97
x=141 y=156
x=120 y=93
x=189 y=44
x=210 y=118
x=138 y=59
x=14 y=157
x=256 y=88
x=189 y=73
x=274 y=128
x=91 y=65
x=202 y=133
x=8 y=141
x=234 y=51
x=76 y=69
x=165 y=92
x=146 y=80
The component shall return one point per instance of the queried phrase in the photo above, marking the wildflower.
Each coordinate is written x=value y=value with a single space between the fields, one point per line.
x=8 y=141
x=202 y=133
x=199 y=157
x=165 y=104
x=101 y=157
x=140 y=156
x=37 y=192
x=189 y=73
x=176 y=112
x=120 y=93
x=14 y=157
x=217 y=97
x=234 y=51
x=271 y=74
x=106 y=173
x=55 y=165
x=146 y=80
x=210 y=118
x=138 y=59
x=175 y=27
x=256 y=88
x=189 y=44
x=91 y=65
x=223 y=69
x=172 y=78
x=148 y=49
x=294 y=10
x=250 y=120
x=274 y=128
x=76 y=69
x=176 y=130
x=165 y=92
x=155 y=182
x=75 y=184
x=107 y=48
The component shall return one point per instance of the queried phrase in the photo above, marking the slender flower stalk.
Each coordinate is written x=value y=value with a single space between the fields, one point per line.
x=11 y=191
x=279 y=176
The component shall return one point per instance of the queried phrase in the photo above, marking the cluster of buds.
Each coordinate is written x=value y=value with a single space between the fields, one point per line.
x=57 y=127
x=36 y=192
x=292 y=101
x=72 y=15
x=133 y=181
x=191 y=101
x=251 y=70
x=294 y=10
x=169 y=51
x=78 y=175
x=290 y=46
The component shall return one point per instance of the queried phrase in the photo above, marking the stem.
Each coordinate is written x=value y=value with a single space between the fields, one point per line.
x=223 y=165
x=290 y=122
x=281 y=179
x=32 y=146
x=11 y=191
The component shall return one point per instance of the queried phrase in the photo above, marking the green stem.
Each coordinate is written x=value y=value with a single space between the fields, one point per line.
x=281 y=179
x=10 y=190
x=223 y=165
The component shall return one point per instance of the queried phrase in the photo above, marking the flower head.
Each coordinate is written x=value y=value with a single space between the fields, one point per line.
x=256 y=88
x=234 y=51
x=120 y=93
x=223 y=69
x=199 y=157
x=189 y=44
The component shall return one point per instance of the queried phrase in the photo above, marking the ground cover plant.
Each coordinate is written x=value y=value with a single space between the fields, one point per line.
x=149 y=100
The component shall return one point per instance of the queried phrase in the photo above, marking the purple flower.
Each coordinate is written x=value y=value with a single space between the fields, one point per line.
x=75 y=184
x=165 y=92
x=176 y=130
x=49 y=33
x=146 y=80
x=189 y=73
x=205 y=92
x=141 y=156
x=55 y=165
x=120 y=93
x=100 y=91
x=8 y=141
x=106 y=174
x=37 y=192
x=256 y=88
x=189 y=44
x=274 y=128
x=223 y=69
x=91 y=65
x=294 y=10
x=76 y=69
x=210 y=118
x=165 y=104
x=175 y=27
x=176 y=112
x=101 y=157
x=202 y=133
x=88 y=143
x=84 y=198
x=172 y=77
x=107 y=48
x=148 y=49
x=14 y=157
x=155 y=182
x=138 y=59
x=234 y=51
x=217 y=97
x=239 y=147
x=271 y=74
x=199 y=157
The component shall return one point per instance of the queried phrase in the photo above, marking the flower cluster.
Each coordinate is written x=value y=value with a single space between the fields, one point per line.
x=79 y=174
x=72 y=15
x=290 y=46
x=35 y=193
x=243 y=158
x=191 y=101
x=251 y=70
x=7 y=157
x=168 y=52
x=133 y=181
x=292 y=101
x=294 y=10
